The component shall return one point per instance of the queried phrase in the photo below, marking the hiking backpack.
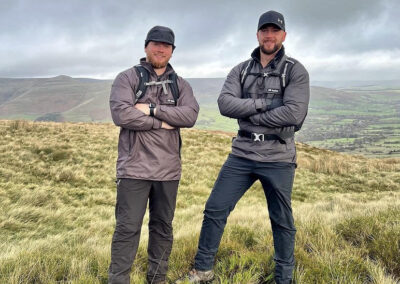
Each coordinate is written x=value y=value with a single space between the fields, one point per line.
x=283 y=74
x=143 y=75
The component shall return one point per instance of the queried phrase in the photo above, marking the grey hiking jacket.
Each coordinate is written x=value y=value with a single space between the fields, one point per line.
x=255 y=116
x=145 y=150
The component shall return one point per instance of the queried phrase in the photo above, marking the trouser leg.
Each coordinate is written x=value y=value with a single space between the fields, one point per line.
x=277 y=181
x=162 y=201
x=233 y=181
x=131 y=205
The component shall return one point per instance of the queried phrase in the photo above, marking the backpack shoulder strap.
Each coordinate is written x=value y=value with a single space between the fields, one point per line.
x=174 y=86
x=248 y=65
x=175 y=93
x=143 y=76
x=286 y=68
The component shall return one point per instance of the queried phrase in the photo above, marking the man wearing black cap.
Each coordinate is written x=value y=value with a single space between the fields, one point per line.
x=268 y=95
x=150 y=103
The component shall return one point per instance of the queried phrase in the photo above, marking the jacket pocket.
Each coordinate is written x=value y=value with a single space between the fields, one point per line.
x=167 y=100
x=131 y=136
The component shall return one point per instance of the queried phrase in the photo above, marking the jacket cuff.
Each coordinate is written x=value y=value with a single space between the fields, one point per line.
x=156 y=123
x=158 y=110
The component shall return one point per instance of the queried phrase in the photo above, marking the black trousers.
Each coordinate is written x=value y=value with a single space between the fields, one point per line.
x=235 y=178
x=132 y=197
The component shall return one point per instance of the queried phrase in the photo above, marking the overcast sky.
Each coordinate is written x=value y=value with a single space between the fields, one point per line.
x=335 y=40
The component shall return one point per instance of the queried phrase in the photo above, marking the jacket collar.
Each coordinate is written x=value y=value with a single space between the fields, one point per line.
x=274 y=62
x=150 y=68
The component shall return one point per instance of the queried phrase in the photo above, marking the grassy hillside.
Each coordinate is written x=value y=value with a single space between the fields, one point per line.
x=61 y=98
x=57 y=195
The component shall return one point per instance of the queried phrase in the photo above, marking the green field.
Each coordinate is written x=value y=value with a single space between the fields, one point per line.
x=57 y=195
x=210 y=119
x=359 y=122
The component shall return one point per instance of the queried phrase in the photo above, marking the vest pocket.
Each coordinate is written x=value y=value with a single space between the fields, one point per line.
x=167 y=101
x=272 y=99
x=277 y=101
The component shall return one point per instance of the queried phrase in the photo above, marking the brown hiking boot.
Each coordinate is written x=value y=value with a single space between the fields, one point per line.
x=198 y=276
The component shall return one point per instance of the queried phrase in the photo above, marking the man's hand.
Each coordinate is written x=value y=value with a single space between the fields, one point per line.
x=255 y=119
x=143 y=108
x=166 y=126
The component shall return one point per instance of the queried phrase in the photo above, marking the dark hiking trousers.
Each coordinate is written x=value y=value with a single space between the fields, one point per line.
x=132 y=197
x=235 y=178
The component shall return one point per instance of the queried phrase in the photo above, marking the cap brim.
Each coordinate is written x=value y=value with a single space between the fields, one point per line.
x=274 y=24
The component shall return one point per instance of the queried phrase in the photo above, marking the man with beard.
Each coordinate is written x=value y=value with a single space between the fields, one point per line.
x=148 y=165
x=269 y=96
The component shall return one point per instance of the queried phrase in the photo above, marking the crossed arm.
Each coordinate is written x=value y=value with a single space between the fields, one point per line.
x=230 y=101
x=293 y=111
x=137 y=117
x=146 y=110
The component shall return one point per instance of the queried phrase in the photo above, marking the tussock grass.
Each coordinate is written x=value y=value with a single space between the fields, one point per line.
x=377 y=238
x=57 y=196
x=329 y=162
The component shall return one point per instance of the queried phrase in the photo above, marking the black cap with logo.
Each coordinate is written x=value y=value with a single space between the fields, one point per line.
x=272 y=17
x=160 y=34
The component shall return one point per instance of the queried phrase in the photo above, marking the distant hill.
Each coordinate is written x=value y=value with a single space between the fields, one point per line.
x=63 y=98
x=357 y=117
x=367 y=85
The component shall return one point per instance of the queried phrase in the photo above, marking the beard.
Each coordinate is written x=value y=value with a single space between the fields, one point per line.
x=157 y=64
x=274 y=49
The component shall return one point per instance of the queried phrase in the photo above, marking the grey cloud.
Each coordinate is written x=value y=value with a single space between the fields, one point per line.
x=346 y=26
x=39 y=38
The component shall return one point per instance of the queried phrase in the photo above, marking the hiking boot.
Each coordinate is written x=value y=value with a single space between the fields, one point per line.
x=198 y=276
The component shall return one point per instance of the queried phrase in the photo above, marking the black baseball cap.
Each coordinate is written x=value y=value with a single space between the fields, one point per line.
x=272 y=17
x=160 y=34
